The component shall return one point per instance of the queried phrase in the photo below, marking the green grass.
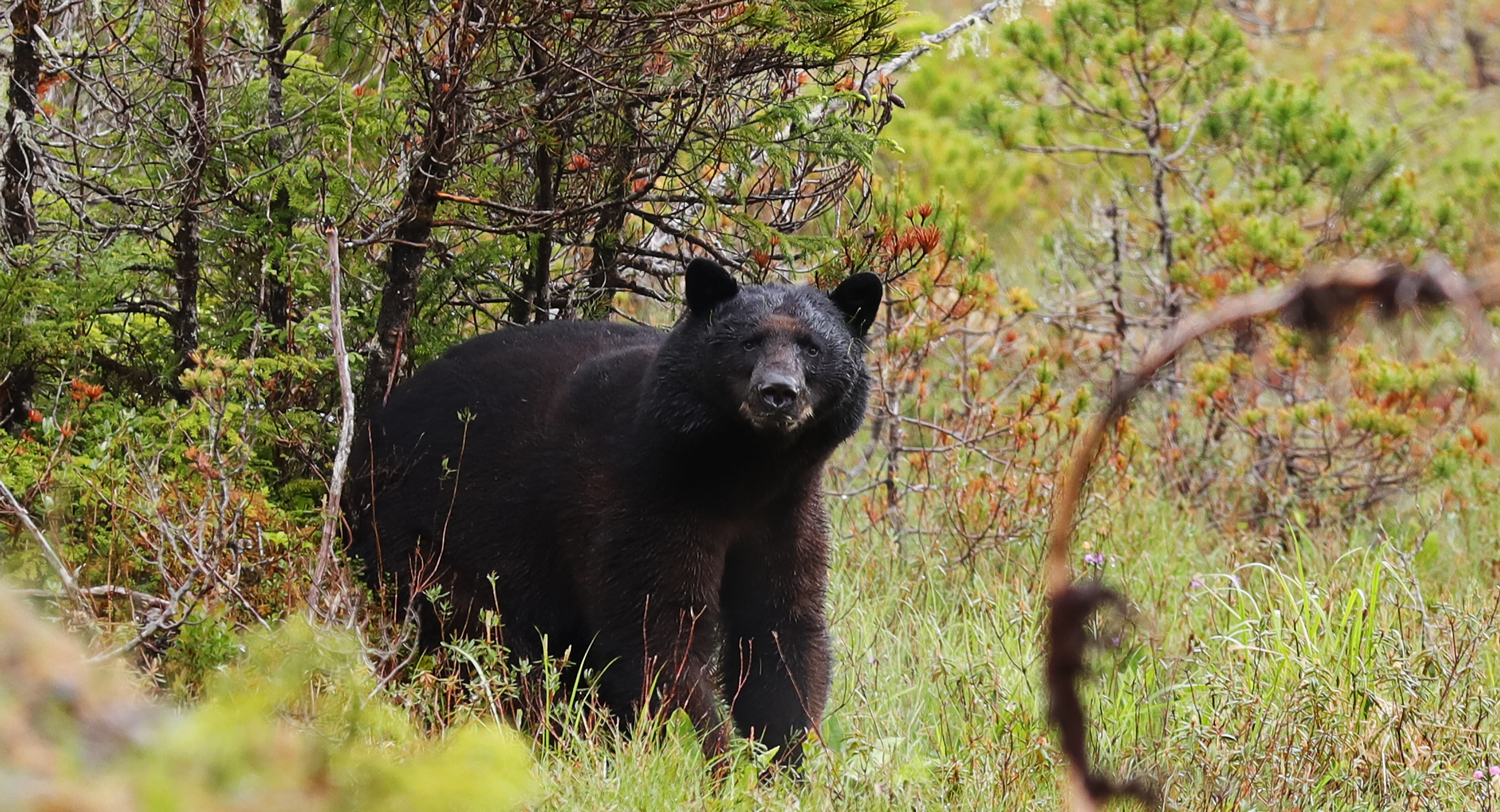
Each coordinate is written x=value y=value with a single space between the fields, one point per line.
x=1351 y=671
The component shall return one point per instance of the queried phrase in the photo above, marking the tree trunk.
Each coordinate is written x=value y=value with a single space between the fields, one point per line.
x=531 y=304
x=609 y=232
x=398 y=296
x=1117 y=288
x=25 y=75
x=604 y=264
x=278 y=305
x=186 y=244
x=534 y=299
x=1171 y=302
x=17 y=188
x=1484 y=73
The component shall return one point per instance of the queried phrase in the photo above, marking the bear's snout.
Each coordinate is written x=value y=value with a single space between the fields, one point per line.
x=780 y=393
x=777 y=399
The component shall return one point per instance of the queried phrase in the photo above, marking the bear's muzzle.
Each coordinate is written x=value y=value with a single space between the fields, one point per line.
x=777 y=399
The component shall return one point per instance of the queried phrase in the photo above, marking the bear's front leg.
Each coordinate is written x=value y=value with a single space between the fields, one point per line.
x=777 y=665
x=776 y=681
x=659 y=629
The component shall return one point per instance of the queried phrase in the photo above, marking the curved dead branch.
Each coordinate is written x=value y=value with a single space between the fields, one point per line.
x=1322 y=302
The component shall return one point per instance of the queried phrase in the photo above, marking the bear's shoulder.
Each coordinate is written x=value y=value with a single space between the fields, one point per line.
x=602 y=393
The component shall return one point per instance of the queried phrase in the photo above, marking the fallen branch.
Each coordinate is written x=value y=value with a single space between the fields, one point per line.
x=160 y=618
x=1321 y=303
x=104 y=591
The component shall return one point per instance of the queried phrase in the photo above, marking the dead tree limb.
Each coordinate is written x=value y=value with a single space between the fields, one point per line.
x=70 y=584
x=1322 y=302
x=984 y=15
x=320 y=598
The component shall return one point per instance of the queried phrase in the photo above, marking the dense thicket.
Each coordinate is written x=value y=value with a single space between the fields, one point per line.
x=170 y=170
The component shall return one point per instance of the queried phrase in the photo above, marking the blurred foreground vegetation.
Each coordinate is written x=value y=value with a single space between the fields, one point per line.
x=295 y=724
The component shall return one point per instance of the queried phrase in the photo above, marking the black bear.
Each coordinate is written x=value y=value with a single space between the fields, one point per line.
x=652 y=499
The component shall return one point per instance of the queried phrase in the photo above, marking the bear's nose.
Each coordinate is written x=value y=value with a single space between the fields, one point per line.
x=778 y=395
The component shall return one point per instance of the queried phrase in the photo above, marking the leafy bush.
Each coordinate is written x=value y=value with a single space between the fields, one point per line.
x=1197 y=179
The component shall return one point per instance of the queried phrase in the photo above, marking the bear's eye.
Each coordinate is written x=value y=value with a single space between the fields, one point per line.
x=811 y=350
x=751 y=344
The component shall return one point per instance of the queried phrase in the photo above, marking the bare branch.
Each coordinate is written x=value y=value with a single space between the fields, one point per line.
x=983 y=15
x=317 y=596
x=161 y=618
x=70 y=584
x=1320 y=302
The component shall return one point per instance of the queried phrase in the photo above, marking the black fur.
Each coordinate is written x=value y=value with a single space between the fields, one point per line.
x=652 y=499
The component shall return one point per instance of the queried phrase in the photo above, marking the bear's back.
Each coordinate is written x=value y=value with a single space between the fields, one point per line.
x=498 y=387
x=456 y=458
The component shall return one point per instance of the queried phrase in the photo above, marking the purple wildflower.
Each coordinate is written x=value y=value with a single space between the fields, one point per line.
x=1094 y=559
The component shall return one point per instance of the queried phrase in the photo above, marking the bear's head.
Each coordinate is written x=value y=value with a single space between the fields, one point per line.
x=780 y=358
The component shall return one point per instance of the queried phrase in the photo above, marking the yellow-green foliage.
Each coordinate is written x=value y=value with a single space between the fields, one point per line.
x=296 y=725
x=310 y=732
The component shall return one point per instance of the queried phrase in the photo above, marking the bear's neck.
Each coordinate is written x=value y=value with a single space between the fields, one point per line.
x=683 y=438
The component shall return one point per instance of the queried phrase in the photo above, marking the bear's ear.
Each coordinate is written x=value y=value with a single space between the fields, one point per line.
x=708 y=285
x=859 y=298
